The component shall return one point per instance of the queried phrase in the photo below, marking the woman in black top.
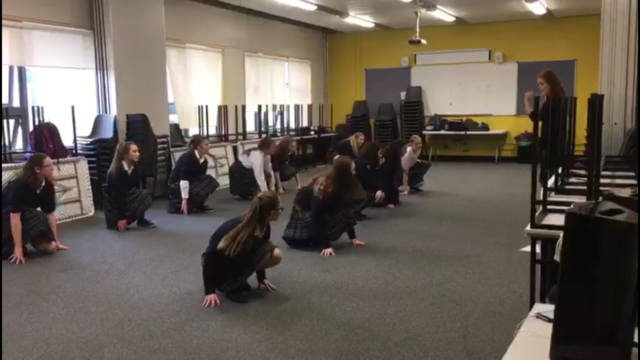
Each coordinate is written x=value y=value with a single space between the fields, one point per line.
x=552 y=92
x=240 y=247
x=367 y=174
x=282 y=170
x=189 y=184
x=350 y=146
x=126 y=199
x=390 y=171
x=22 y=222
x=322 y=210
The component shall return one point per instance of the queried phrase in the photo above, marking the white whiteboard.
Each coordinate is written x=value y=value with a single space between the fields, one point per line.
x=468 y=89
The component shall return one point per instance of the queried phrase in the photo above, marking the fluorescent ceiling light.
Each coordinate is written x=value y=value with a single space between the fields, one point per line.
x=441 y=14
x=299 y=4
x=358 y=21
x=407 y=1
x=538 y=7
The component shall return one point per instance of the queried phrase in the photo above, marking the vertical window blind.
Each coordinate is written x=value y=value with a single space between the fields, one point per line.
x=275 y=81
x=195 y=77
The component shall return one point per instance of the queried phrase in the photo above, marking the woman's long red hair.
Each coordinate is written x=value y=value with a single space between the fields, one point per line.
x=555 y=85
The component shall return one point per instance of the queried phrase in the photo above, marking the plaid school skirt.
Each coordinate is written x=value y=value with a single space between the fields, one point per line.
x=138 y=201
x=369 y=200
x=35 y=227
x=236 y=276
x=417 y=173
x=299 y=232
x=199 y=191
x=242 y=181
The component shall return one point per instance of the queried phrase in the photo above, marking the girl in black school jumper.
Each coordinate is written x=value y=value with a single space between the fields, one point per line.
x=282 y=170
x=413 y=169
x=189 y=184
x=367 y=174
x=350 y=146
x=22 y=222
x=240 y=247
x=322 y=210
x=126 y=200
x=390 y=171
x=252 y=172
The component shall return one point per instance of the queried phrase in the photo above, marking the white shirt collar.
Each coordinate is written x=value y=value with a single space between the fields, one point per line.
x=201 y=159
x=127 y=168
x=40 y=187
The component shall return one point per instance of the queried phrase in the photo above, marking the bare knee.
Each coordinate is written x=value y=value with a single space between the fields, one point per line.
x=276 y=257
x=46 y=247
x=274 y=260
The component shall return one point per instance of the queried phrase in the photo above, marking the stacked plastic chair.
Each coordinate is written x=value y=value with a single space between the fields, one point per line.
x=98 y=148
x=412 y=113
x=385 y=126
x=359 y=120
x=155 y=153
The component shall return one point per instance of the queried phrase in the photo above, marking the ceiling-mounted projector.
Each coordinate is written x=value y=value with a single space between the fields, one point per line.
x=416 y=40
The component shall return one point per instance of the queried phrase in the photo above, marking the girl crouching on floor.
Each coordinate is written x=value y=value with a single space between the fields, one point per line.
x=238 y=248
x=413 y=169
x=322 y=210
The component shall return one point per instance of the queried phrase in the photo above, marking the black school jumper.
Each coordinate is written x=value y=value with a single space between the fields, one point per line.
x=316 y=223
x=547 y=115
x=368 y=178
x=388 y=177
x=18 y=197
x=125 y=197
x=343 y=148
x=201 y=185
x=226 y=273
x=280 y=165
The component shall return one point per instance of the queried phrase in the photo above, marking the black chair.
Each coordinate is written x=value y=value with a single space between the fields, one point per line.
x=359 y=121
x=412 y=113
x=386 y=124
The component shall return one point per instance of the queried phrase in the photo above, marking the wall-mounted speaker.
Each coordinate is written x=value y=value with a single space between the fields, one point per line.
x=596 y=308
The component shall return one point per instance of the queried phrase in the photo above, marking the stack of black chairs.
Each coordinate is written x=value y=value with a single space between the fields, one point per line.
x=155 y=153
x=359 y=120
x=99 y=148
x=386 y=124
x=412 y=113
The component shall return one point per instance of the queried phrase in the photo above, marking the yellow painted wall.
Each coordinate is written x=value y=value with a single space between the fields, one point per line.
x=559 y=39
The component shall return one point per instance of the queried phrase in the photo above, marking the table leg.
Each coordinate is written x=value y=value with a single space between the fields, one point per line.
x=532 y=273
x=497 y=155
x=430 y=152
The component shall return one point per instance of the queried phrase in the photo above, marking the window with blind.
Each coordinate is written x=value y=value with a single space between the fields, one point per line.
x=194 y=79
x=275 y=81
x=59 y=72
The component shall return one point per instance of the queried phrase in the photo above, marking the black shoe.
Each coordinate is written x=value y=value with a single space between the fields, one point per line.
x=359 y=216
x=237 y=296
x=205 y=209
x=146 y=224
x=416 y=189
x=244 y=287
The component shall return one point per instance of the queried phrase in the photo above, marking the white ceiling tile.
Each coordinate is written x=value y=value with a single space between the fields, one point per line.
x=397 y=14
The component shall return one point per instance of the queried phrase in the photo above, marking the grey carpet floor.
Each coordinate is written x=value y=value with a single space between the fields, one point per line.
x=441 y=278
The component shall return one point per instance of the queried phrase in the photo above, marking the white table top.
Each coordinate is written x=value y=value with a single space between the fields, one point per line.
x=475 y=133
x=533 y=340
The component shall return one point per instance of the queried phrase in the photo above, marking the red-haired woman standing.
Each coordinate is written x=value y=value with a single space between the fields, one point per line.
x=551 y=91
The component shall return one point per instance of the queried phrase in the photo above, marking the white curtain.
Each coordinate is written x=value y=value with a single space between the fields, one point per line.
x=299 y=79
x=60 y=66
x=196 y=79
x=265 y=84
x=47 y=47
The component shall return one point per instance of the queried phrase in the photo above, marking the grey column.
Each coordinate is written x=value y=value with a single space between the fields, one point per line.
x=103 y=77
x=618 y=70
